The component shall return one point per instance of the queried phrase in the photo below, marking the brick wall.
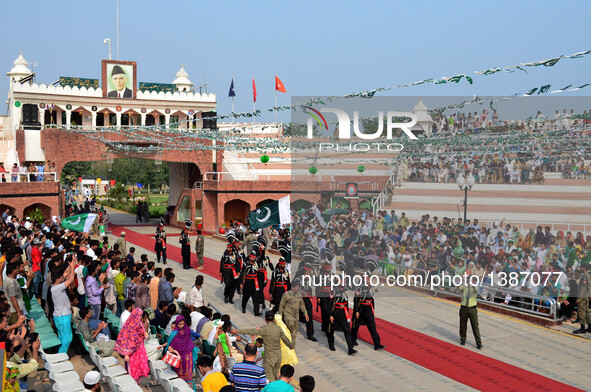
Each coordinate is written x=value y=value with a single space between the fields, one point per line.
x=24 y=195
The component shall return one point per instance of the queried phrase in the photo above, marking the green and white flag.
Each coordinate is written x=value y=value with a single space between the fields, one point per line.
x=270 y=214
x=80 y=222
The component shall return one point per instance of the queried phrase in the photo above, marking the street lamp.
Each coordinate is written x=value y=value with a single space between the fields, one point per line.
x=465 y=184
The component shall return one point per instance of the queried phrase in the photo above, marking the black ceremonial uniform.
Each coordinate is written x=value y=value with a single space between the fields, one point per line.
x=250 y=286
x=324 y=297
x=341 y=320
x=160 y=245
x=280 y=283
x=229 y=268
x=262 y=262
x=185 y=249
x=364 y=306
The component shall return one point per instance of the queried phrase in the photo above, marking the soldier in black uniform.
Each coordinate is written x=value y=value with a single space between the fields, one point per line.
x=239 y=255
x=285 y=249
x=160 y=246
x=280 y=283
x=262 y=262
x=340 y=319
x=185 y=242
x=249 y=283
x=323 y=295
x=364 y=314
x=306 y=290
x=229 y=267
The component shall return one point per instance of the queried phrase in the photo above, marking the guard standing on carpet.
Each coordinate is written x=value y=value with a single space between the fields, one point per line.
x=199 y=248
x=340 y=319
x=364 y=314
x=249 y=284
x=468 y=311
x=229 y=268
x=185 y=242
x=306 y=290
x=160 y=246
x=239 y=254
x=280 y=283
x=262 y=262
x=324 y=295
x=584 y=279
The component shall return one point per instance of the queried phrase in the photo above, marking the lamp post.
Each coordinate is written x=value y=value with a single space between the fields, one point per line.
x=108 y=41
x=465 y=184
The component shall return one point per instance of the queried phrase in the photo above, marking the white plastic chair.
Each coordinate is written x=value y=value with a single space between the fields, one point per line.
x=113 y=371
x=123 y=381
x=166 y=385
x=153 y=365
x=108 y=361
x=128 y=388
x=64 y=378
x=59 y=367
x=167 y=374
x=53 y=358
x=184 y=388
x=71 y=386
x=180 y=385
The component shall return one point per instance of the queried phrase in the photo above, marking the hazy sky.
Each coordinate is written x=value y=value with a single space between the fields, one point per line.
x=316 y=48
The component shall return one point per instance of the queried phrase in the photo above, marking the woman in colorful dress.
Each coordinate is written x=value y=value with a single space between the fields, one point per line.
x=130 y=344
x=181 y=342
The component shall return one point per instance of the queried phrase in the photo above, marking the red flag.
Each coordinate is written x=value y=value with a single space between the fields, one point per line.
x=80 y=179
x=254 y=90
x=112 y=182
x=279 y=85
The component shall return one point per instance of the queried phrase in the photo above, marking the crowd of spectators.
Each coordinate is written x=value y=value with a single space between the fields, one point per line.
x=28 y=172
x=506 y=162
x=433 y=245
x=120 y=304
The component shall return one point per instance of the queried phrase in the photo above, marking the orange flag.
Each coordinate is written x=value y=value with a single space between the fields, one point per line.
x=254 y=90
x=279 y=85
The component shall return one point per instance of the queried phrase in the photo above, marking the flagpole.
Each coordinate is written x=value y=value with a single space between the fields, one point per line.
x=233 y=117
x=275 y=104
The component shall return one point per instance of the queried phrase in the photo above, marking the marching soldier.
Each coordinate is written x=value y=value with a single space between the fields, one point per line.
x=262 y=262
x=340 y=319
x=199 y=248
x=229 y=267
x=290 y=308
x=306 y=290
x=323 y=295
x=249 y=284
x=364 y=314
x=160 y=246
x=280 y=283
x=285 y=249
x=185 y=242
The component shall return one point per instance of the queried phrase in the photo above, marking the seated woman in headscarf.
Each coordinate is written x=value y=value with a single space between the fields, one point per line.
x=130 y=344
x=180 y=342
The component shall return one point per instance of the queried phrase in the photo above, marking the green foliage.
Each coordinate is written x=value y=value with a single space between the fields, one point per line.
x=295 y=129
x=118 y=192
x=73 y=170
x=37 y=216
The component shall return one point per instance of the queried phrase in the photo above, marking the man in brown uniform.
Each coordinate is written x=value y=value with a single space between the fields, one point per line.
x=584 y=279
x=290 y=307
x=199 y=248
x=272 y=335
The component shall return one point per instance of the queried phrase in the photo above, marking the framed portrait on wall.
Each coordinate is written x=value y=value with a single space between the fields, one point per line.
x=119 y=79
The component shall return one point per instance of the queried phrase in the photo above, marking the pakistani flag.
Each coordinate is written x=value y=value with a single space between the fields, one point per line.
x=80 y=222
x=270 y=214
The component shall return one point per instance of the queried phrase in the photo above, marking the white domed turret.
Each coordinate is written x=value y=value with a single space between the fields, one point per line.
x=182 y=81
x=20 y=68
x=424 y=120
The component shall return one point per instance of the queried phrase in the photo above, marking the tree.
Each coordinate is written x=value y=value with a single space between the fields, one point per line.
x=118 y=192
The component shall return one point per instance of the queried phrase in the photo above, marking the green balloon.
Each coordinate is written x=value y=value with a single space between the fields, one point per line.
x=17 y=104
x=265 y=158
x=313 y=170
x=360 y=168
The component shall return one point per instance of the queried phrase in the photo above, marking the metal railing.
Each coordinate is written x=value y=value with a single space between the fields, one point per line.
x=31 y=177
x=243 y=337
x=380 y=200
x=509 y=298
x=198 y=185
x=227 y=176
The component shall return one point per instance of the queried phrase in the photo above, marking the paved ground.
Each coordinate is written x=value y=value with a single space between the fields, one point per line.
x=554 y=353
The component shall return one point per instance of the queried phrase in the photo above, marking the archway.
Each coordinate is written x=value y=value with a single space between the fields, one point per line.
x=30 y=210
x=4 y=207
x=236 y=209
x=365 y=204
x=301 y=204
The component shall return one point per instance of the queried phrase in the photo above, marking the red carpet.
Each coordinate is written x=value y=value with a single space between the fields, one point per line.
x=467 y=367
